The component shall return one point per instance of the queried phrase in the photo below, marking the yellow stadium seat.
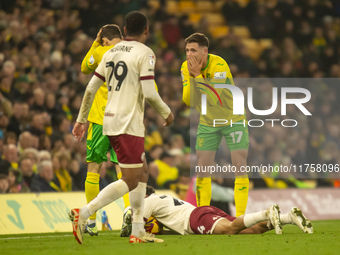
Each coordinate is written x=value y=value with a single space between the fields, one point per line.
x=253 y=47
x=186 y=6
x=214 y=19
x=154 y=4
x=195 y=18
x=171 y=7
x=242 y=2
x=219 y=31
x=266 y=2
x=266 y=43
x=218 y=5
x=241 y=31
x=205 y=6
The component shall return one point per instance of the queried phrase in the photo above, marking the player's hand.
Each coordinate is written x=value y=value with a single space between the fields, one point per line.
x=194 y=67
x=169 y=120
x=79 y=131
x=99 y=38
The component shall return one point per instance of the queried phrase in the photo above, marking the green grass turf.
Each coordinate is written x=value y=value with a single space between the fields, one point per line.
x=325 y=240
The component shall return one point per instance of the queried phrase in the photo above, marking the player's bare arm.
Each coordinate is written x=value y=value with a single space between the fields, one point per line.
x=153 y=98
x=91 y=89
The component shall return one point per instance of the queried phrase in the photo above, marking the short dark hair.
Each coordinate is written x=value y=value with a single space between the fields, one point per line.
x=149 y=190
x=199 y=38
x=111 y=31
x=135 y=22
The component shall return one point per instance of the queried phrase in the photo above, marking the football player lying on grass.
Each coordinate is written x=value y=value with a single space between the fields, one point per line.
x=186 y=219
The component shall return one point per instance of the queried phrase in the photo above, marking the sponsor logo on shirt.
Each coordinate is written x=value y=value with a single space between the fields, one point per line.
x=108 y=114
x=220 y=75
x=152 y=60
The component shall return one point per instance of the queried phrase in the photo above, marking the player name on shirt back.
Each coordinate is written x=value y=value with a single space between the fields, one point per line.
x=123 y=48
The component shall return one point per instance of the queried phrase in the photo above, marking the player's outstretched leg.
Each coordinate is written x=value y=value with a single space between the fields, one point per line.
x=274 y=218
x=78 y=224
x=295 y=216
x=110 y=193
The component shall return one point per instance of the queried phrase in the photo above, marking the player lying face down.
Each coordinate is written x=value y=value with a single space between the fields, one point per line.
x=186 y=219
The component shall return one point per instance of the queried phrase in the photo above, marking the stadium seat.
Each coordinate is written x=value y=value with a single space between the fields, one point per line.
x=241 y=31
x=219 y=31
x=218 y=5
x=195 y=18
x=242 y=2
x=215 y=19
x=172 y=7
x=266 y=43
x=205 y=6
x=186 y=6
x=253 y=47
x=154 y=4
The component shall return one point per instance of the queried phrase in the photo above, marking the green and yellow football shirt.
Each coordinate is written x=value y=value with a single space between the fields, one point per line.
x=219 y=101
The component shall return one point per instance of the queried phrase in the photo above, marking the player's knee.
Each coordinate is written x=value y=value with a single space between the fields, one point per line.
x=132 y=183
x=94 y=167
x=132 y=177
x=224 y=227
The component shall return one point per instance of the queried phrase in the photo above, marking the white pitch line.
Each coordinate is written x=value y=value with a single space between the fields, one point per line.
x=31 y=237
x=37 y=237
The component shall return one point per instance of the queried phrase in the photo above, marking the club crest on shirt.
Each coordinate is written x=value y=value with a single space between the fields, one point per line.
x=91 y=59
x=152 y=60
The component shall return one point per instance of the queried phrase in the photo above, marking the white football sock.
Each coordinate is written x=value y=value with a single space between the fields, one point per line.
x=110 y=193
x=253 y=218
x=137 y=204
x=286 y=219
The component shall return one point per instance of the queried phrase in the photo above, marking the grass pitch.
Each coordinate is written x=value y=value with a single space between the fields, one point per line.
x=325 y=240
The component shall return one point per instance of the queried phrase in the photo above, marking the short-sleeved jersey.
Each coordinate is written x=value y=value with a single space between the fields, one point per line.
x=171 y=212
x=219 y=101
x=123 y=68
x=89 y=64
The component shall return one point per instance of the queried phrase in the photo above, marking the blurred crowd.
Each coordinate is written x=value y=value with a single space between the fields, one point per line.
x=43 y=42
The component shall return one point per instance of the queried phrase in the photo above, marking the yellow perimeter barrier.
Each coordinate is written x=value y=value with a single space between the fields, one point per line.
x=47 y=212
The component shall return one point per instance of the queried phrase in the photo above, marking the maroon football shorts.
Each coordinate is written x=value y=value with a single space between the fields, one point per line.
x=129 y=150
x=204 y=219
